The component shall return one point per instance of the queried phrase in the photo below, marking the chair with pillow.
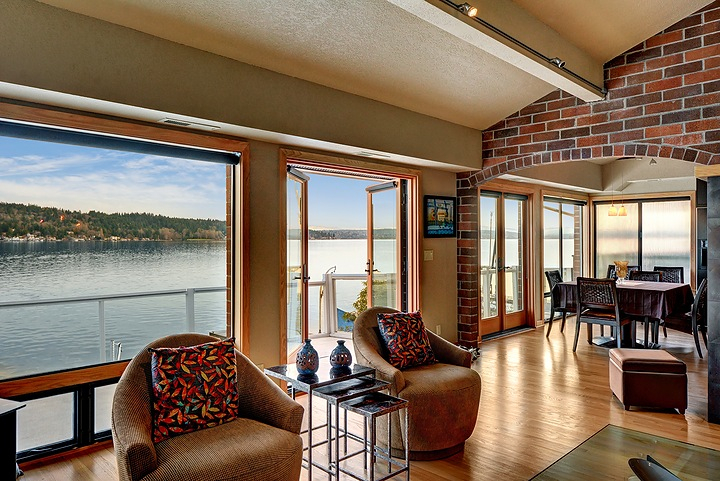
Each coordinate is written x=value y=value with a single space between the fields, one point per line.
x=431 y=373
x=202 y=412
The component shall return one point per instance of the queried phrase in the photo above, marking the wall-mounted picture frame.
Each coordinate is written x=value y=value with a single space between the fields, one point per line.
x=439 y=214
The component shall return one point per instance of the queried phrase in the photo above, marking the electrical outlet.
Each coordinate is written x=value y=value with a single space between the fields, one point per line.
x=438 y=330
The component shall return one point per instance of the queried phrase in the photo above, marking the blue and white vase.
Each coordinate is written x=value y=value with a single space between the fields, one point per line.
x=307 y=360
x=340 y=356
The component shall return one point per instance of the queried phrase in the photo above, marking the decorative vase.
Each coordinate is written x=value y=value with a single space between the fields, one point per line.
x=307 y=360
x=340 y=356
x=621 y=269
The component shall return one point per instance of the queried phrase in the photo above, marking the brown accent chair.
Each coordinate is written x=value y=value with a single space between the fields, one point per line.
x=262 y=444
x=444 y=398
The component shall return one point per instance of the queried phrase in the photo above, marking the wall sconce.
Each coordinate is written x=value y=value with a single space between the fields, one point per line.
x=468 y=9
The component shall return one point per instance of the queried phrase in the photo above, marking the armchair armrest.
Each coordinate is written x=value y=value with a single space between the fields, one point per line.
x=132 y=428
x=262 y=400
x=448 y=352
x=367 y=356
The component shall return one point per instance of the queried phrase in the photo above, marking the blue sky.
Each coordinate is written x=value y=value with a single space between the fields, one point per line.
x=85 y=178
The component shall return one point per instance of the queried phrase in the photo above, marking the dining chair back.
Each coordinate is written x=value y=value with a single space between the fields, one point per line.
x=611 y=271
x=653 y=276
x=671 y=274
x=554 y=278
x=695 y=321
x=597 y=303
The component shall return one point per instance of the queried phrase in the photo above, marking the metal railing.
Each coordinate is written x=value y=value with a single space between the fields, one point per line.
x=327 y=300
x=189 y=294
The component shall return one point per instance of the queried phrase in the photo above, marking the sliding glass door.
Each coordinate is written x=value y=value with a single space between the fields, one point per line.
x=655 y=232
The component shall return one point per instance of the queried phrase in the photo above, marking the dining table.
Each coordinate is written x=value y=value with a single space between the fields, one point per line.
x=645 y=300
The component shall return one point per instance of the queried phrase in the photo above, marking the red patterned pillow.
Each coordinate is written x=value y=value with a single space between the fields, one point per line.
x=193 y=388
x=407 y=342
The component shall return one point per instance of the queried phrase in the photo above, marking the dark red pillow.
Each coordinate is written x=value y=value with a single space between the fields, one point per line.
x=405 y=337
x=193 y=388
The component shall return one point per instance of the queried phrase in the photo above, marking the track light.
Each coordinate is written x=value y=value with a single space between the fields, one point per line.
x=468 y=9
x=557 y=62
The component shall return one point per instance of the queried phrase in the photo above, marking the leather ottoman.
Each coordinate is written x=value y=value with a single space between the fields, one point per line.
x=648 y=378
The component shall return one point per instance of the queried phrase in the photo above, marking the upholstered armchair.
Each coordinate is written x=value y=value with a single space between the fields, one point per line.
x=443 y=397
x=262 y=444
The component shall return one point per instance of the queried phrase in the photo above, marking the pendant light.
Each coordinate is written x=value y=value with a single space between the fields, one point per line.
x=612 y=211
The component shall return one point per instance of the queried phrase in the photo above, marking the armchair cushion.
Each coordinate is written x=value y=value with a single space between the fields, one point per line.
x=406 y=339
x=193 y=388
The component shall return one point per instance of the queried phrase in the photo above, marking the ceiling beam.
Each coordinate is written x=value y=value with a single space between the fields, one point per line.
x=582 y=75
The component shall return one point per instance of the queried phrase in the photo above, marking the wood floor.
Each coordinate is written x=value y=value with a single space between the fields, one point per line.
x=539 y=401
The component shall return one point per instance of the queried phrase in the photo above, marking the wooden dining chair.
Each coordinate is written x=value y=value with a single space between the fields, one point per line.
x=695 y=321
x=598 y=304
x=671 y=274
x=652 y=276
x=554 y=278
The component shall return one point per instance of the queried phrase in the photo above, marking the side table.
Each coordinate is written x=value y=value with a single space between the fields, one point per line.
x=372 y=406
x=309 y=384
x=8 y=424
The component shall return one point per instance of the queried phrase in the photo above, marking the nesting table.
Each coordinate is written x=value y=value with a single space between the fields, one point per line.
x=352 y=389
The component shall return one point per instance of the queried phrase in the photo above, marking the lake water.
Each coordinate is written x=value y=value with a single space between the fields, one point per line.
x=60 y=336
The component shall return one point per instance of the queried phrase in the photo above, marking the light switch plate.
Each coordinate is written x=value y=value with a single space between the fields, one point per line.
x=428 y=255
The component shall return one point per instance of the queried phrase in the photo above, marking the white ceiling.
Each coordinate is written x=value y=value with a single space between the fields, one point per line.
x=408 y=53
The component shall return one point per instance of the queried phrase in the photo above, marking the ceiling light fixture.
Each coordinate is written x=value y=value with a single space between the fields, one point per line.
x=468 y=9
x=559 y=63
x=653 y=162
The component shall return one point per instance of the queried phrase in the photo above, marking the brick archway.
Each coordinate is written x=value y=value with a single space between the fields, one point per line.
x=663 y=101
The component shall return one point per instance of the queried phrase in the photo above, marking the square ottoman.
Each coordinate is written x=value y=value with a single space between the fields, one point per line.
x=648 y=378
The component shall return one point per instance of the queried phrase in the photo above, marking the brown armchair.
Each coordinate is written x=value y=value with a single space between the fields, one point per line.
x=263 y=443
x=443 y=398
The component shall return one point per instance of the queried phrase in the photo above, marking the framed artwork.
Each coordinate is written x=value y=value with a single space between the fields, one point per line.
x=439 y=216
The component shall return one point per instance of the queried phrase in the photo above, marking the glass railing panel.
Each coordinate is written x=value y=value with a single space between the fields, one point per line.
x=317 y=324
x=350 y=298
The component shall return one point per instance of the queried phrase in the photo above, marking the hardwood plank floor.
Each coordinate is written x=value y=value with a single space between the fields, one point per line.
x=539 y=401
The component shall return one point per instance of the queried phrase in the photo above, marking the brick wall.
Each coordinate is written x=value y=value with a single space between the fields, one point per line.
x=663 y=100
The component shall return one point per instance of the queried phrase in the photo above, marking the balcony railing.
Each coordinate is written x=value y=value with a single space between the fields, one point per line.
x=189 y=294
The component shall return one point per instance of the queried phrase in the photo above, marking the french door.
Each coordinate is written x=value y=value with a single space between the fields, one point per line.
x=502 y=266
x=297 y=261
x=383 y=264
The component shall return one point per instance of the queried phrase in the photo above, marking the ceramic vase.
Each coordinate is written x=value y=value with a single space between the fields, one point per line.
x=340 y=356
x=307 y=360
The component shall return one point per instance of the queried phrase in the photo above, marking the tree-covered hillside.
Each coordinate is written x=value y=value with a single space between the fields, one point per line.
x=19 y=220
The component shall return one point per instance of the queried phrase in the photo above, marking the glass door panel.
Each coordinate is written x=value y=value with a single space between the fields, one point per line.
x=383 y=256
x=488 y=264
x=513 y=266
x=296 y=261
x=666 y=235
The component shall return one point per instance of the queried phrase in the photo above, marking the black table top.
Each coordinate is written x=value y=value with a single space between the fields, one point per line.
x=325 y=375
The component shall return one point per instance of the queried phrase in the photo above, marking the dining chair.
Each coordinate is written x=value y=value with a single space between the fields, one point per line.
x=611 y=271
x=695 y=321
x=554 y=278
x=652 y=276
x=597 y=303
x=671 y=274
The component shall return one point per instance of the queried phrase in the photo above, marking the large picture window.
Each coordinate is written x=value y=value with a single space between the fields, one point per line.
x=655 y=232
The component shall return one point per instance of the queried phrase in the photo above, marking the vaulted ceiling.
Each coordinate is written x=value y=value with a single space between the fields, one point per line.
x=421 y=55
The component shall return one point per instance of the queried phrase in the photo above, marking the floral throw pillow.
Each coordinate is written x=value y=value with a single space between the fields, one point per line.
x=193 y=388
x=407 y=342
